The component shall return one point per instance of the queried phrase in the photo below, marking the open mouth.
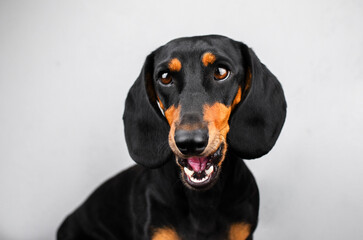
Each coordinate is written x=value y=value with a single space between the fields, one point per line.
x=201 y=172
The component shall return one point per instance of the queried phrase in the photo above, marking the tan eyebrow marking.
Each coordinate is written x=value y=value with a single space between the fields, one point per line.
x=208 y=58
x=174 y=65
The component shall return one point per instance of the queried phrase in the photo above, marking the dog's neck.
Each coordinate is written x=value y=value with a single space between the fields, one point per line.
x=203 y=207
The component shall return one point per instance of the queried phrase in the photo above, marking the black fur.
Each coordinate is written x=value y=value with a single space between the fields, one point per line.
x=152 y=195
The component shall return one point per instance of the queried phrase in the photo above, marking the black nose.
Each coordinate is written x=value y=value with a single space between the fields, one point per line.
x=191 y=142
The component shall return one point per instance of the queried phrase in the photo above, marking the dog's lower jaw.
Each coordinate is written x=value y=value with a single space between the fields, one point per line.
x=203 y=184
x=206 y=175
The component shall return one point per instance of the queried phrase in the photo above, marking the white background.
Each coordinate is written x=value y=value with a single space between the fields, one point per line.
x=66 y=67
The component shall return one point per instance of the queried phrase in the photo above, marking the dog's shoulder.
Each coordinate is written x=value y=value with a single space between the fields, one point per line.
x=116 y=188
x=106 y=212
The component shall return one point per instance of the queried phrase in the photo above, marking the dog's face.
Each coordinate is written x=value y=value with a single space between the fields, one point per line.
x=198 y=83
x=197 y=98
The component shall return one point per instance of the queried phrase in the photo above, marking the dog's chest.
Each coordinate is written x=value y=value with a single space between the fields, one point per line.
x=222 y=213
x=200 y=223
x=236 y=231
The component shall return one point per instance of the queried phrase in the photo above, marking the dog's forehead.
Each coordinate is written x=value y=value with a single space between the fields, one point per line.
x=192 y=48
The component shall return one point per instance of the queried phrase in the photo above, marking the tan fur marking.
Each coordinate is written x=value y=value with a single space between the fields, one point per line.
x=208 y=58
x=175 y=65
x=237 y=98
x=165 y=234
x=239 y=231
x=217 y=117
x=172 y=116
x=160 y=103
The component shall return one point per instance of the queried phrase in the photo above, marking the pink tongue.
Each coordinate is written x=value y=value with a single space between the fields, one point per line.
x=198 y=163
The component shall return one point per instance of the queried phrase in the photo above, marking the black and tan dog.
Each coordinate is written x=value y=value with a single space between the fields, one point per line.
x=199 y=106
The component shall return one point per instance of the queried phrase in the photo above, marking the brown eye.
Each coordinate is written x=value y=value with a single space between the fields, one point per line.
x=221 y=73
x=165 y=78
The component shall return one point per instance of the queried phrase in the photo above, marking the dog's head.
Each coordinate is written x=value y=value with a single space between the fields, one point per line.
x=197 y=98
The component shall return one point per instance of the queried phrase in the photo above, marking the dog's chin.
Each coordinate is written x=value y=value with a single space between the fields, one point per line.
x=201 y=172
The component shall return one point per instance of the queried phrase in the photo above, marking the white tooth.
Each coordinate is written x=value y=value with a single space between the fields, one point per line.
x=188 y=172
x=195 y=180
x=199 y=180
x=209 y=170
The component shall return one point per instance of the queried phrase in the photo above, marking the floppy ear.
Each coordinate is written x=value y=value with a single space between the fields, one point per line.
x=257 y=121
x=146 y=130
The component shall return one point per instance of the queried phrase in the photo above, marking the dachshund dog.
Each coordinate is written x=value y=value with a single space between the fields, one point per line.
x=199 y=106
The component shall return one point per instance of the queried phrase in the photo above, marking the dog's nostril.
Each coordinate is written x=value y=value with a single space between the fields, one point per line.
x=191 y=142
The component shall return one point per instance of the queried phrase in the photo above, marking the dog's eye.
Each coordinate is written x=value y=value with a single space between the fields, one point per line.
x=221 y=73
x=165 y=78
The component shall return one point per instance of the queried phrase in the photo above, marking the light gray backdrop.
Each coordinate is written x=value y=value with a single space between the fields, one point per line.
x=66 y=67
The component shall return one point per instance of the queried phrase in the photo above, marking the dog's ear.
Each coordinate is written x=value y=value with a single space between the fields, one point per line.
x=146 y=130
x=257 y=120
